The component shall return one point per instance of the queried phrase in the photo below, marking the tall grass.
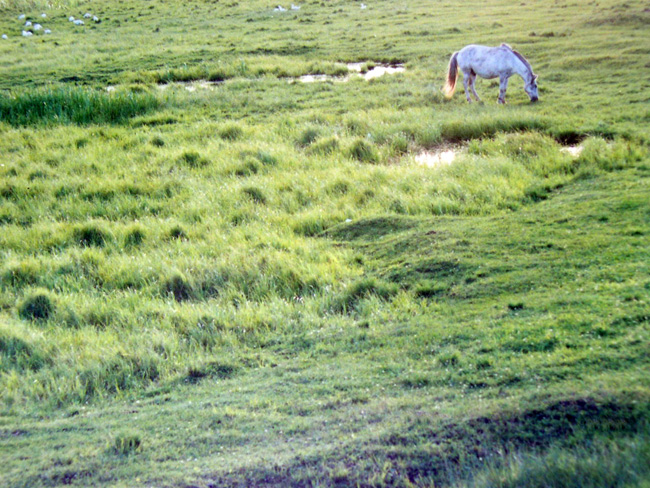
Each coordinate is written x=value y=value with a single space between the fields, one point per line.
x=73 y=105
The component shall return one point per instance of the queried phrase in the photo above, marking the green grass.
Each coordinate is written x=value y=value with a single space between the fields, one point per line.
x=73 y=106
x=254 y=282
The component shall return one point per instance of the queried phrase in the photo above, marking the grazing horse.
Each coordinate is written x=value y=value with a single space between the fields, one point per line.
x=490 y=62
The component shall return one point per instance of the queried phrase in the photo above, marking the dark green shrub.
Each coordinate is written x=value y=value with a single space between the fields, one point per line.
x=37 y=306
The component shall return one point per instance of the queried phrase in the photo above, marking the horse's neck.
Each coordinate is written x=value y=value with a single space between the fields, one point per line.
x=522 y=69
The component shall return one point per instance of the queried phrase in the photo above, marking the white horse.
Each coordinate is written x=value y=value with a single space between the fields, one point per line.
x=490 y=62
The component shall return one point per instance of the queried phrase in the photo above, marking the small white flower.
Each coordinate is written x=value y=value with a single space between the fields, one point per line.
x=44 y=15
x=27 y=33
x=5 y=36
x=28 y=23
x=71 y=18
x=78 y=22
x=87 y=15
x=47 y=31
x=38 y=26
x=21 y=16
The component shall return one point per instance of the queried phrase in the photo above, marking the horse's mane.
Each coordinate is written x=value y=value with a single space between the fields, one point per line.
x=524 y=60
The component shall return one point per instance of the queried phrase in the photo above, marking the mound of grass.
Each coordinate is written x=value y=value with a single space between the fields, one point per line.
x=361 y=289
x=364 y=151
x=255 y=194
x=212 y=369
x=231 y=132
x=47 y=106
x=37 y=305
x=193 y=159
x=17 y=353
x=308 y=136
x=91 y=235
x=134 y=236
x=324 y=146
x=178 y=287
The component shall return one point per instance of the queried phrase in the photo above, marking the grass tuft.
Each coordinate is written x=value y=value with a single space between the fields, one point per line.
x=37 y=306
x=179 y=287
x=364 y=151
x=193 y=159
x=127 y=443
x=231 y=132
x=255 y=194
x=88 y=235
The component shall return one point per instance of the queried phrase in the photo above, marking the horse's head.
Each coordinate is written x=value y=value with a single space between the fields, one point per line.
x=531 y=89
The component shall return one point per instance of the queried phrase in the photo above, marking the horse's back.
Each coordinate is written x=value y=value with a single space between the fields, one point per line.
x=487 y=62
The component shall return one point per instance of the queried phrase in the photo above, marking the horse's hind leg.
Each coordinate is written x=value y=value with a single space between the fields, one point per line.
x=472 y=81
x=467 y=76
x=502 y=89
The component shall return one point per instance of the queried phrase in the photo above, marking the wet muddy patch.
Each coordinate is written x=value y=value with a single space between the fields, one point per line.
x=367 y=71
x=192 y=86
x=574 y=151
x=439 y=157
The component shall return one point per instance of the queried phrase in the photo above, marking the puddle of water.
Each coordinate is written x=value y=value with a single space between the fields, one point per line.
x=355 y=69
x=573 y=150
x=319 y=78
x=382 y=70
x=436 y=159
x=191 y=86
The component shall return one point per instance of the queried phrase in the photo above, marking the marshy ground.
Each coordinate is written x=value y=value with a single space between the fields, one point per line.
x=244 y=280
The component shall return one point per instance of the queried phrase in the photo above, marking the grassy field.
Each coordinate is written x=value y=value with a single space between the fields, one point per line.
x=213 y=274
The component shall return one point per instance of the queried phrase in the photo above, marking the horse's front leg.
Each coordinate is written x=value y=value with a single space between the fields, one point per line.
x=502 y=89
x=466 y=78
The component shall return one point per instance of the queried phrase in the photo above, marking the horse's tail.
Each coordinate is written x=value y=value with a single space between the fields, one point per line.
x=452 y=75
